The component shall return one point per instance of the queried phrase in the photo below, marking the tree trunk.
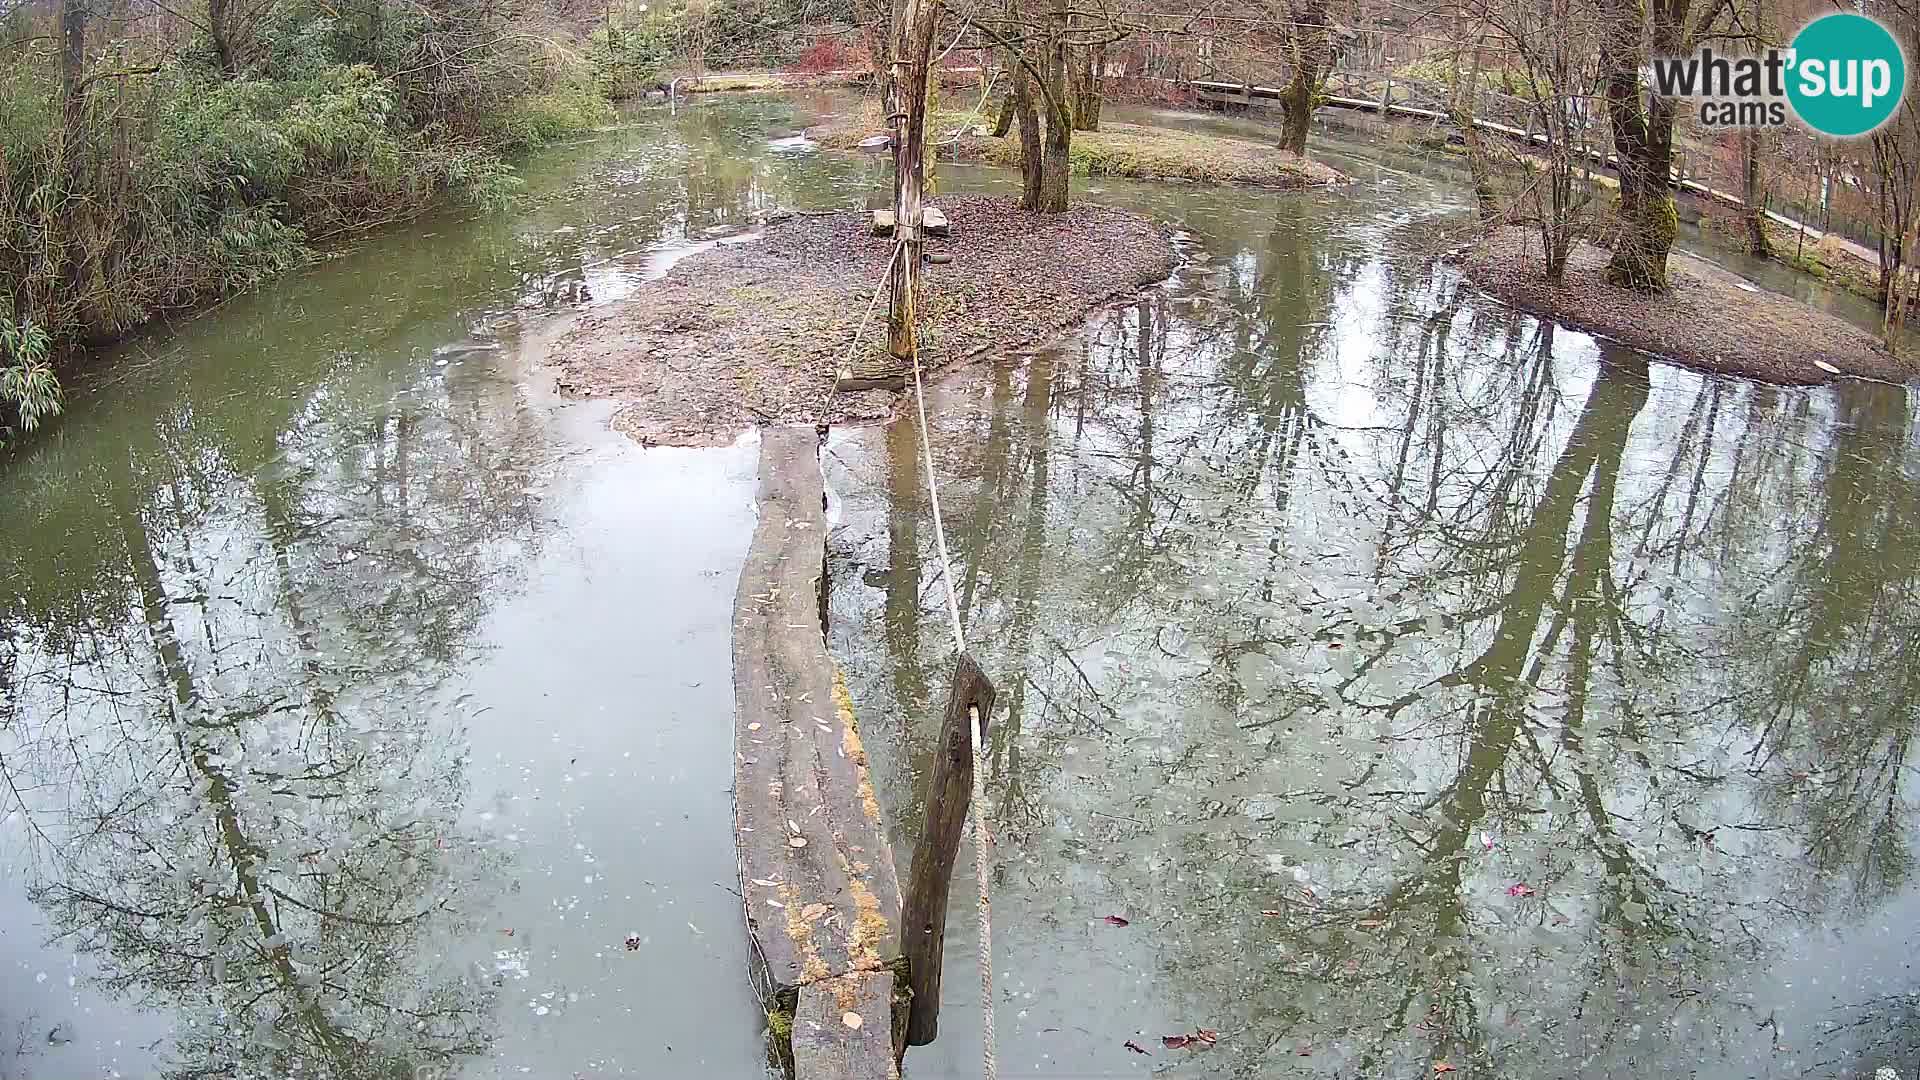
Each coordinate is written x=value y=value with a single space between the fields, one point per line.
x=1003 y=122
x=1032 y=153
x=218 y=17
x=1900 y=287
x=1643 y=144
x=1754 y=193
x=1054 y=163
x=1648 y=218
x=1308 y=34
x=913 y=42
x=1466 y=94
x=1086 y=88
x=73 y=72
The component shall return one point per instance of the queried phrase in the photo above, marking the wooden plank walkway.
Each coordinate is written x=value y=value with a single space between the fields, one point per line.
x=1219 y=93
x=817 y=878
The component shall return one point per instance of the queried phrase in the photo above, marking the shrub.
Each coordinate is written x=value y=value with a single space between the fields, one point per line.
x=630 y=52
x=28 y=389
x=192 y=176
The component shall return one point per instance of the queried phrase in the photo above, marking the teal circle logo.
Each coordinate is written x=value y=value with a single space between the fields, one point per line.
x=1848 y=75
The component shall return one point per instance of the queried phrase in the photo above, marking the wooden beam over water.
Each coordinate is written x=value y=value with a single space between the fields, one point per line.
x=817 y=878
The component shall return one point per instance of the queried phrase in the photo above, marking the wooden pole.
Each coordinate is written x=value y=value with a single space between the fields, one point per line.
x=912 y=42
x=923 y=921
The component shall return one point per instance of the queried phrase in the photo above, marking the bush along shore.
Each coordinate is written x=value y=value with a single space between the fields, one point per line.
x=148 y=165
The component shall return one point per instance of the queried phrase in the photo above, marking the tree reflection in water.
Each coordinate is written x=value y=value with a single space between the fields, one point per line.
x=240 y=799
x=1425 y=684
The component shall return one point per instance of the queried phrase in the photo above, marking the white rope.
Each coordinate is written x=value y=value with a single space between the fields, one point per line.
x=871 y=306
x=977 y=806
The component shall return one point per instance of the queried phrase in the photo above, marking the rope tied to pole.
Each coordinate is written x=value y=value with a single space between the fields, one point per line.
x=976 y=723
x=977 y=805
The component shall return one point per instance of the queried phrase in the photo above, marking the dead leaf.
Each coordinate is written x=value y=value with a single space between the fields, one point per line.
x=1136 y=1047
x=1443 y=1067
x=1371 y=924
x=1304 y=1050
x=1270 y=913
x=1560 y=920
x=1115 y=920
x=1201 y=1039
x=814 y=911
x=633 y=942
x=508 y=931
x=851 y=1019
x=1520 y=889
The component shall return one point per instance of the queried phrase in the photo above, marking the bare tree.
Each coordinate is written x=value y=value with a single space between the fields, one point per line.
x=1643 y=126
x=1549 y=46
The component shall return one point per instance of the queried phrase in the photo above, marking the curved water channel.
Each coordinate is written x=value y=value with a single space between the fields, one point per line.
x=1422 y=683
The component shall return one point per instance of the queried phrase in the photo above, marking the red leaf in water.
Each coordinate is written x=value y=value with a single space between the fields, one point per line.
x=1443 y=1067
x=1521 y=889
x=1206 y=1035
x=1115 y=920
x=1136 y=1047
x=1176 y=1042
x=633 y=942
x=508 y=931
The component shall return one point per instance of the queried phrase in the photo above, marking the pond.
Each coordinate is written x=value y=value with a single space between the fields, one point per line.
x=1420 y=682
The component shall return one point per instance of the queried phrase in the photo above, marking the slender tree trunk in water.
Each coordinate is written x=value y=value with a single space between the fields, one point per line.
x=1310 y=61
x=1755 y=194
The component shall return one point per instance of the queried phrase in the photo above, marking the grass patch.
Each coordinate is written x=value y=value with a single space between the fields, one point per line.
x=760 y=80
x=1132 y=151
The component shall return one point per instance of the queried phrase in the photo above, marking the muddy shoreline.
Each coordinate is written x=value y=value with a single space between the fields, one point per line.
x=1709 y=318
x=753 y=333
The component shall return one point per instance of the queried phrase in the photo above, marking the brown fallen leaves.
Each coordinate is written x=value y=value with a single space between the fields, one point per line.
x=1200 y=1039
x=1115 y=920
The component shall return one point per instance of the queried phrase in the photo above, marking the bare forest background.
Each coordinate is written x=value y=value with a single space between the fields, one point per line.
x=156 y=154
